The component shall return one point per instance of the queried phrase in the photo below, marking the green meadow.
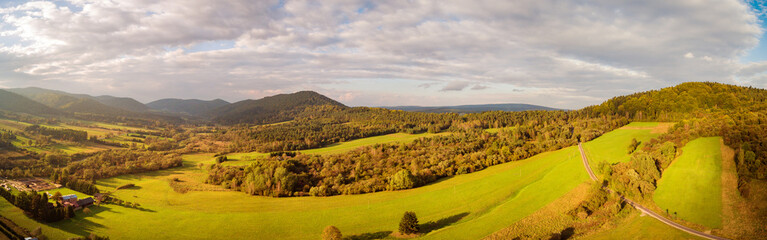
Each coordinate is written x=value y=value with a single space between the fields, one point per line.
x=245 y=158
x=612 y=147
x=467 y=206
x=641 y=227
x=691 y=186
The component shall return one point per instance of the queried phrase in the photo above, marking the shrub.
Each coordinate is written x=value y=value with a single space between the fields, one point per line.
x=402 y=180
x=409 y=223
x=331 y=233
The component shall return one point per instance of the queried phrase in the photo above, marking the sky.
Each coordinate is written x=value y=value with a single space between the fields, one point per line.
x=564 y=54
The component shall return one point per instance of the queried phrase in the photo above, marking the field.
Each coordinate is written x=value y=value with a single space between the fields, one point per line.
x=612 y=147
x=473 y=205
x=244 y=158
x=691 y=187
x=641 y=227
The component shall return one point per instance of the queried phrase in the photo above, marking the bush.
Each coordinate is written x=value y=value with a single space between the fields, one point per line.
x=331 y=233
x=409 y=223
x=402 y=180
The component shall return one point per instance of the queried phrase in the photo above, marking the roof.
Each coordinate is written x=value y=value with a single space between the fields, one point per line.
x=85 y=202
x=70 y=196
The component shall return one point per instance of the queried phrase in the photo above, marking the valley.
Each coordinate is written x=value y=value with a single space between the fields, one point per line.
x=307 y=162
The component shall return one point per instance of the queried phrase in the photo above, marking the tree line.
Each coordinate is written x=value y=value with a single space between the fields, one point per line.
x=406 y=165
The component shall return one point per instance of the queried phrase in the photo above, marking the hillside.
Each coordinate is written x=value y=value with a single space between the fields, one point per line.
x=683 y=101
x=124 y=103
x=13 y=102
x=282 y=107
x=84 y=103
x=509 y=107
x=193 y=107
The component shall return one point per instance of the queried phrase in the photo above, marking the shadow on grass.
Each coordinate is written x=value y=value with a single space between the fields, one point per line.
x=565 y=234
x=434 y=225
x=369 y=236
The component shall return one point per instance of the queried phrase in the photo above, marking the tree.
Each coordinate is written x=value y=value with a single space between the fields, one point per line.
x=633 y=146
x=331 y=233
x=409 y=223
x=86 y=211
x=402 y=180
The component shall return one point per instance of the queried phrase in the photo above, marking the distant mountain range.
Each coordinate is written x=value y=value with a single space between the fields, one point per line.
x=511 y=107
x=282 y=107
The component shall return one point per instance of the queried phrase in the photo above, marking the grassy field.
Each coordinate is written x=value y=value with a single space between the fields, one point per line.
x=612 y=147
x=641 y=227
x=467 y=206
x=357 y=143
x=692 y=185
x=245 y=158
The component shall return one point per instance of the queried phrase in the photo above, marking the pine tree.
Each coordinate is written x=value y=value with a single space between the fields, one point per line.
x=409 y=223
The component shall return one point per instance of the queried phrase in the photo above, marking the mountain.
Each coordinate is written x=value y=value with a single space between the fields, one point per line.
x=57 y=99
x=510 y=107
x=193 y=107
x=124 y=103
x=13 y=102
x=282 y=107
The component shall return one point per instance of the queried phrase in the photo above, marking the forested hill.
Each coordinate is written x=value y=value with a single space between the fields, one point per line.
x=89 y=107
x=193 y=107
x=702 y=109
x=509 y=107
x=278 y=108
x=684 y=101
x=16 y=103
x=124 y=103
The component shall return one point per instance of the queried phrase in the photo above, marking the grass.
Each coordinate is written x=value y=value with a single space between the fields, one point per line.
x=357 y=143
x=612 y=147
x=692 y=186
x=245 y=158
x=641 y=227
x=470 y=206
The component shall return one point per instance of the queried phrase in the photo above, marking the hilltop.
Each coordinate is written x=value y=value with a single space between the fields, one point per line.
x=277 y=108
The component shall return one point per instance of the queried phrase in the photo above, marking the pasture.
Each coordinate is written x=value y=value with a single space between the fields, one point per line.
x=467 y=206
x=245 y=158
x=691 y=187
x=612 y=147
x=640 y=227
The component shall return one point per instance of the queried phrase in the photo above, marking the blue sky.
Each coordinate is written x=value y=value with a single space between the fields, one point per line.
x=759 y=53
x=563 y=54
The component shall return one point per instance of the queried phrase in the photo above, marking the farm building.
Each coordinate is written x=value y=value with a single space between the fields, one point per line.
x=84 y=202
x=70 y=199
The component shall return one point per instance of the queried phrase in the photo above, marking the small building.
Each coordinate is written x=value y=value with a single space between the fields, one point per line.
x=84 y=202
x=70 y=199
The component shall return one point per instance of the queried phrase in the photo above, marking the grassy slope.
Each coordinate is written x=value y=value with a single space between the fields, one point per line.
x=354 y=144
x=244 y=158
x=492 y=198
x=692 y=186
x=612 y=147
x=641 y=227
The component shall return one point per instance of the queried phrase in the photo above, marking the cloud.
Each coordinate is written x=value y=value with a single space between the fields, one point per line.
x=455 y=86
x=478 y=87
x=149 y=49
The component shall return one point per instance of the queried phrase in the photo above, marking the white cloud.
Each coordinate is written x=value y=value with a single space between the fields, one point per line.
x=599 y=48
